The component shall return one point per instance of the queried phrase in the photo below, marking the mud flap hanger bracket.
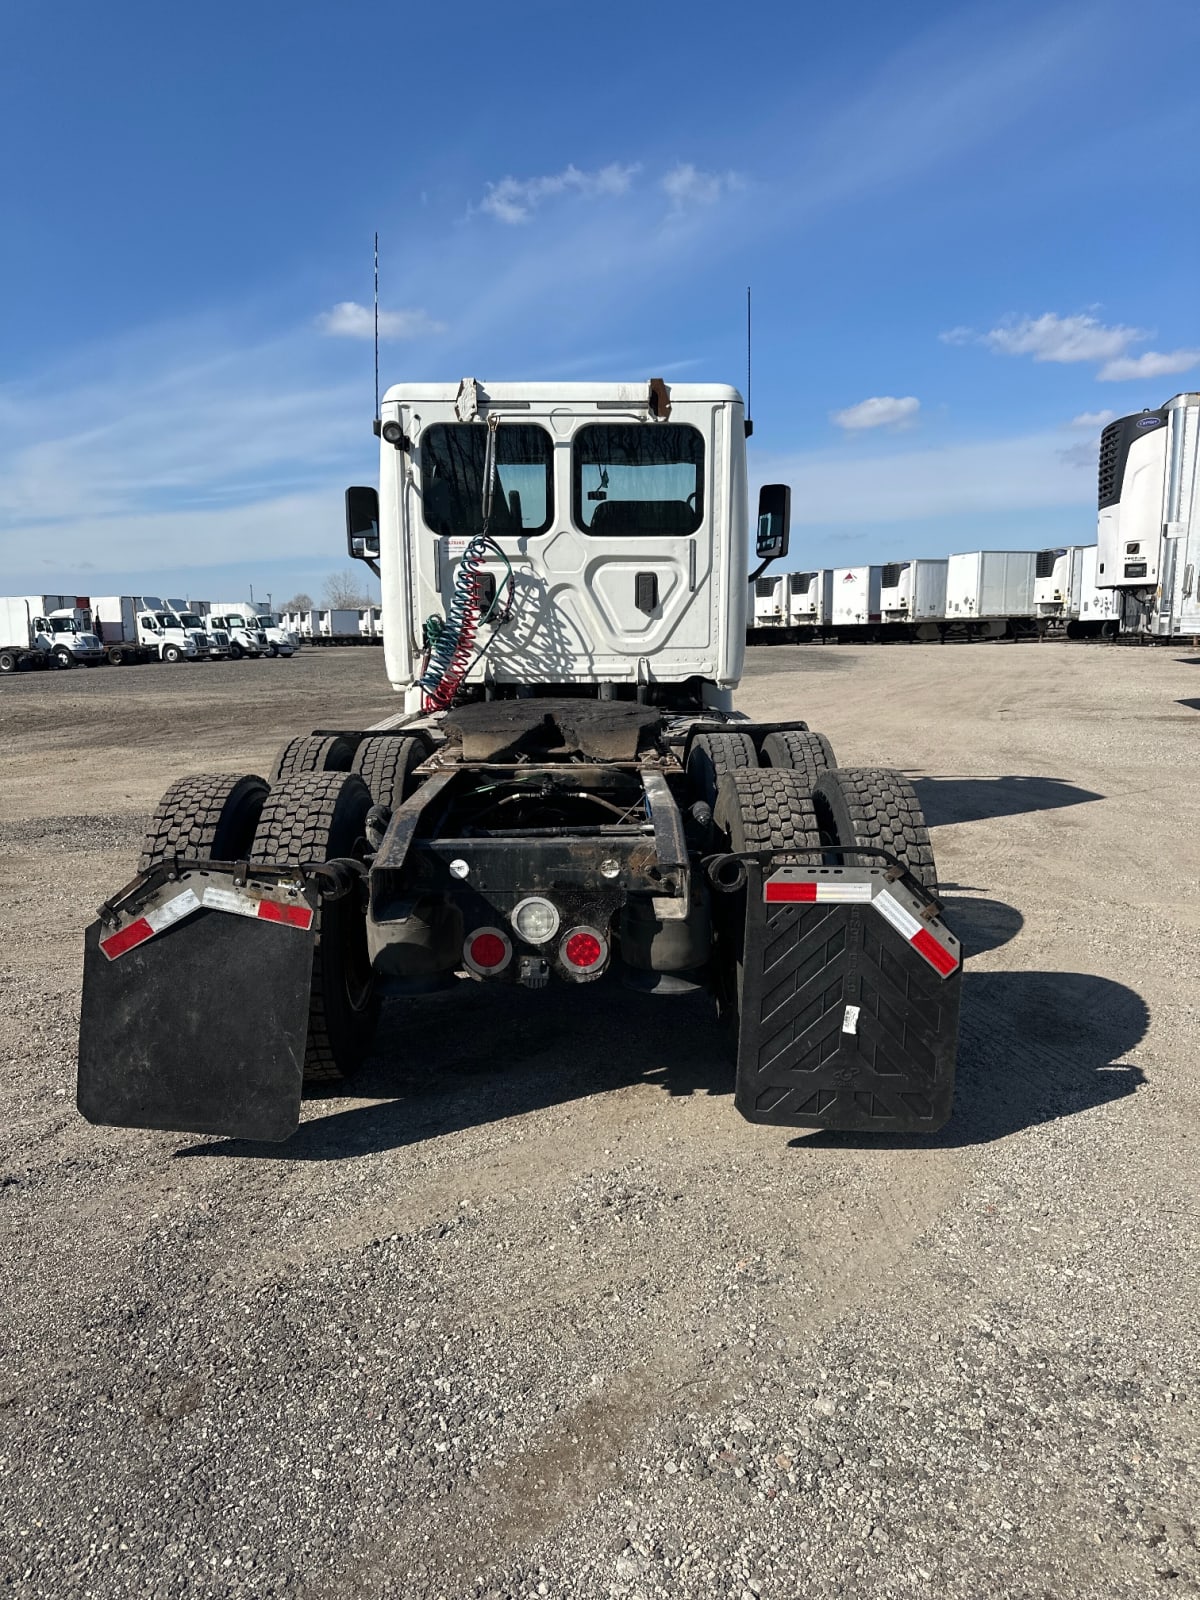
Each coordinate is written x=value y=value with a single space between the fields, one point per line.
x=332 y=880
x=726 y=872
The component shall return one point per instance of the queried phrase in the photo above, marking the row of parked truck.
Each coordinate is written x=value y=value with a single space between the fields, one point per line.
x=59 y=630
x=978 y=594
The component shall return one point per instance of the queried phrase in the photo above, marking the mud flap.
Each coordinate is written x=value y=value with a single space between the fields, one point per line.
x=849 y=1002
x=195 y=1007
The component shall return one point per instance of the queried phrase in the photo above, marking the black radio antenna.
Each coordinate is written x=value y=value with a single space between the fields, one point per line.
x=749 y=424
x=376 y=325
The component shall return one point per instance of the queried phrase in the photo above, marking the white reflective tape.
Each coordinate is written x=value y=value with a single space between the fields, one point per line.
x=244 y=905
x=182 y=905
x=844 y=893
x=850 y=1020
x=903 y=921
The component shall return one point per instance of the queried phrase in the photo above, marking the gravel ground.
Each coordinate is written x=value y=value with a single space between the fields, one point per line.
x=536 y=1313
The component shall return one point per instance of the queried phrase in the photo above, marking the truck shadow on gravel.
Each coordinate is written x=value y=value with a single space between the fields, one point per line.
x=1033 y=1047
x=476 y=1054
x=945 y=800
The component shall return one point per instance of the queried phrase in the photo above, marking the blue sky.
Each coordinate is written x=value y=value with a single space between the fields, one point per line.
x=966 y=227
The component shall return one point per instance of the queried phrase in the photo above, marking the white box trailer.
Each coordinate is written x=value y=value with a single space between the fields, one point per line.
x=1058 y=577
x=768 y=603
x=1099 y=609
x=856 y=596
x=992 y=588
x=913 y=591
x=810 y=598
x=1149 y=516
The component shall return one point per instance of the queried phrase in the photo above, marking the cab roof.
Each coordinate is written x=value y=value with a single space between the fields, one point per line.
x=539 y=392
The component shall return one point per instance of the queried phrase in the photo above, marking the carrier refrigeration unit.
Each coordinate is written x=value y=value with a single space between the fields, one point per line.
x=1148 y=527
x=913 y=597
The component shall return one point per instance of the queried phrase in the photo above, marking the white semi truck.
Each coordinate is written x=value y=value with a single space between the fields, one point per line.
x=280 y=641
x=1148 y=527
x=565 y=794
x=195 y=622
x=57 y=626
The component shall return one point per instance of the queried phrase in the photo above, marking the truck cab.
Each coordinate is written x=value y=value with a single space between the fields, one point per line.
x=218 y=645
x=163 y=631
x=70 y=637
x=276 y=639
x=616 y=515
x=244 y=638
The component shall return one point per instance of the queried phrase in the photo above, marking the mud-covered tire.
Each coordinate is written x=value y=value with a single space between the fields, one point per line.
x=386 y=765
x=311 y=753
x=315 y=816
x=207 y=815
x=875 y=806
x=805 y=752
x=712 y=755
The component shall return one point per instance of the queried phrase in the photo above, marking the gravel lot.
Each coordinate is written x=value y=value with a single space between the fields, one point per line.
x=536 y=1313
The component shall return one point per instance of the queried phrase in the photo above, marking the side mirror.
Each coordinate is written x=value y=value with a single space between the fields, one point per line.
x=774 y=521
x=362 y=524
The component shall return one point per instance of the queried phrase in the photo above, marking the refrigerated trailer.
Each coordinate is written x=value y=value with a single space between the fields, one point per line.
x=809 y=602
x=1148 y=525
x=567 y=794
x=912 y=598
x=989 y=593
x=857 y=601
x=1057 y=586
x=769 y=602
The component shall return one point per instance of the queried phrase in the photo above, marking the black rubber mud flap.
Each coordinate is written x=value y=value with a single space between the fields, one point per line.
x=199 y=1028
x=849 y=1003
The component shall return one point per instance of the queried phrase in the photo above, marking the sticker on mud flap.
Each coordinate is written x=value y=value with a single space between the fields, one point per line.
x=850 y=1020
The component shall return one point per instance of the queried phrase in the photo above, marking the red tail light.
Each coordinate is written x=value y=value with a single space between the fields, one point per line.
x=487 y=951
x=584 y=952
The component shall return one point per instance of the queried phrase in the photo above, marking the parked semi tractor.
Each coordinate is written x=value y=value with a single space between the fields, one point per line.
x=1148 y=528
x=567 y=794
x=279 y=639
x=217 y=641
x=246 y=638
x=57 y=627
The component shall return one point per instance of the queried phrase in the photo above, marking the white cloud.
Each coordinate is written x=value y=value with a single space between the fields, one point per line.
x=686 y=185
x=349 y=320
x=1053 y=338
x=514 y=200
x=958 y=336
x=1092 y=419
x=1079 y=455
x=1153 y=364
x=1022 y=473
x=880 y=411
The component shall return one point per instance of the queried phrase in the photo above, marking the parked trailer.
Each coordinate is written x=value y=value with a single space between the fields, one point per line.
x=768 y=602
x=989 y=593
x=25 y=637
x=912 y=598
x=1057 y=586
x=1099 y=612
x=809 y=602
x=553 y=803
x=336 y=625
x=1148 y=529
x=857 y=593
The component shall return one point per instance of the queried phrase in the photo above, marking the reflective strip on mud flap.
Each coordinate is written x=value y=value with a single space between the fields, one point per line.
x=784 y=887
x=148 y=924
x=215 y=899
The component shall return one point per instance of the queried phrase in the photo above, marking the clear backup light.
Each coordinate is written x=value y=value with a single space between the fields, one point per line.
x=584 y=952
x=535 y=920
x=487 y=951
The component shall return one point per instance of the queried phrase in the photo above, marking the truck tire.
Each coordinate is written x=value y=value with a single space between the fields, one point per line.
x=875 y=806
x=211 y=815
x=315 y=816
x=792 y=750
x=386 y=765
x=63 y=660
x=313 y=753
x=272 y=649
x=172 y=653
x=767 y=808
x=712 y=756
x=8 y=661
x=236 y=652
x=116 y=658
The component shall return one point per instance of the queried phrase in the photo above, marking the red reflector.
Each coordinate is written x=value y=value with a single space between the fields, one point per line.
x=488 y=950
x=294 y=916
x=117 y=943
x=791 y=891
x=583 y=950
x=936 y=954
